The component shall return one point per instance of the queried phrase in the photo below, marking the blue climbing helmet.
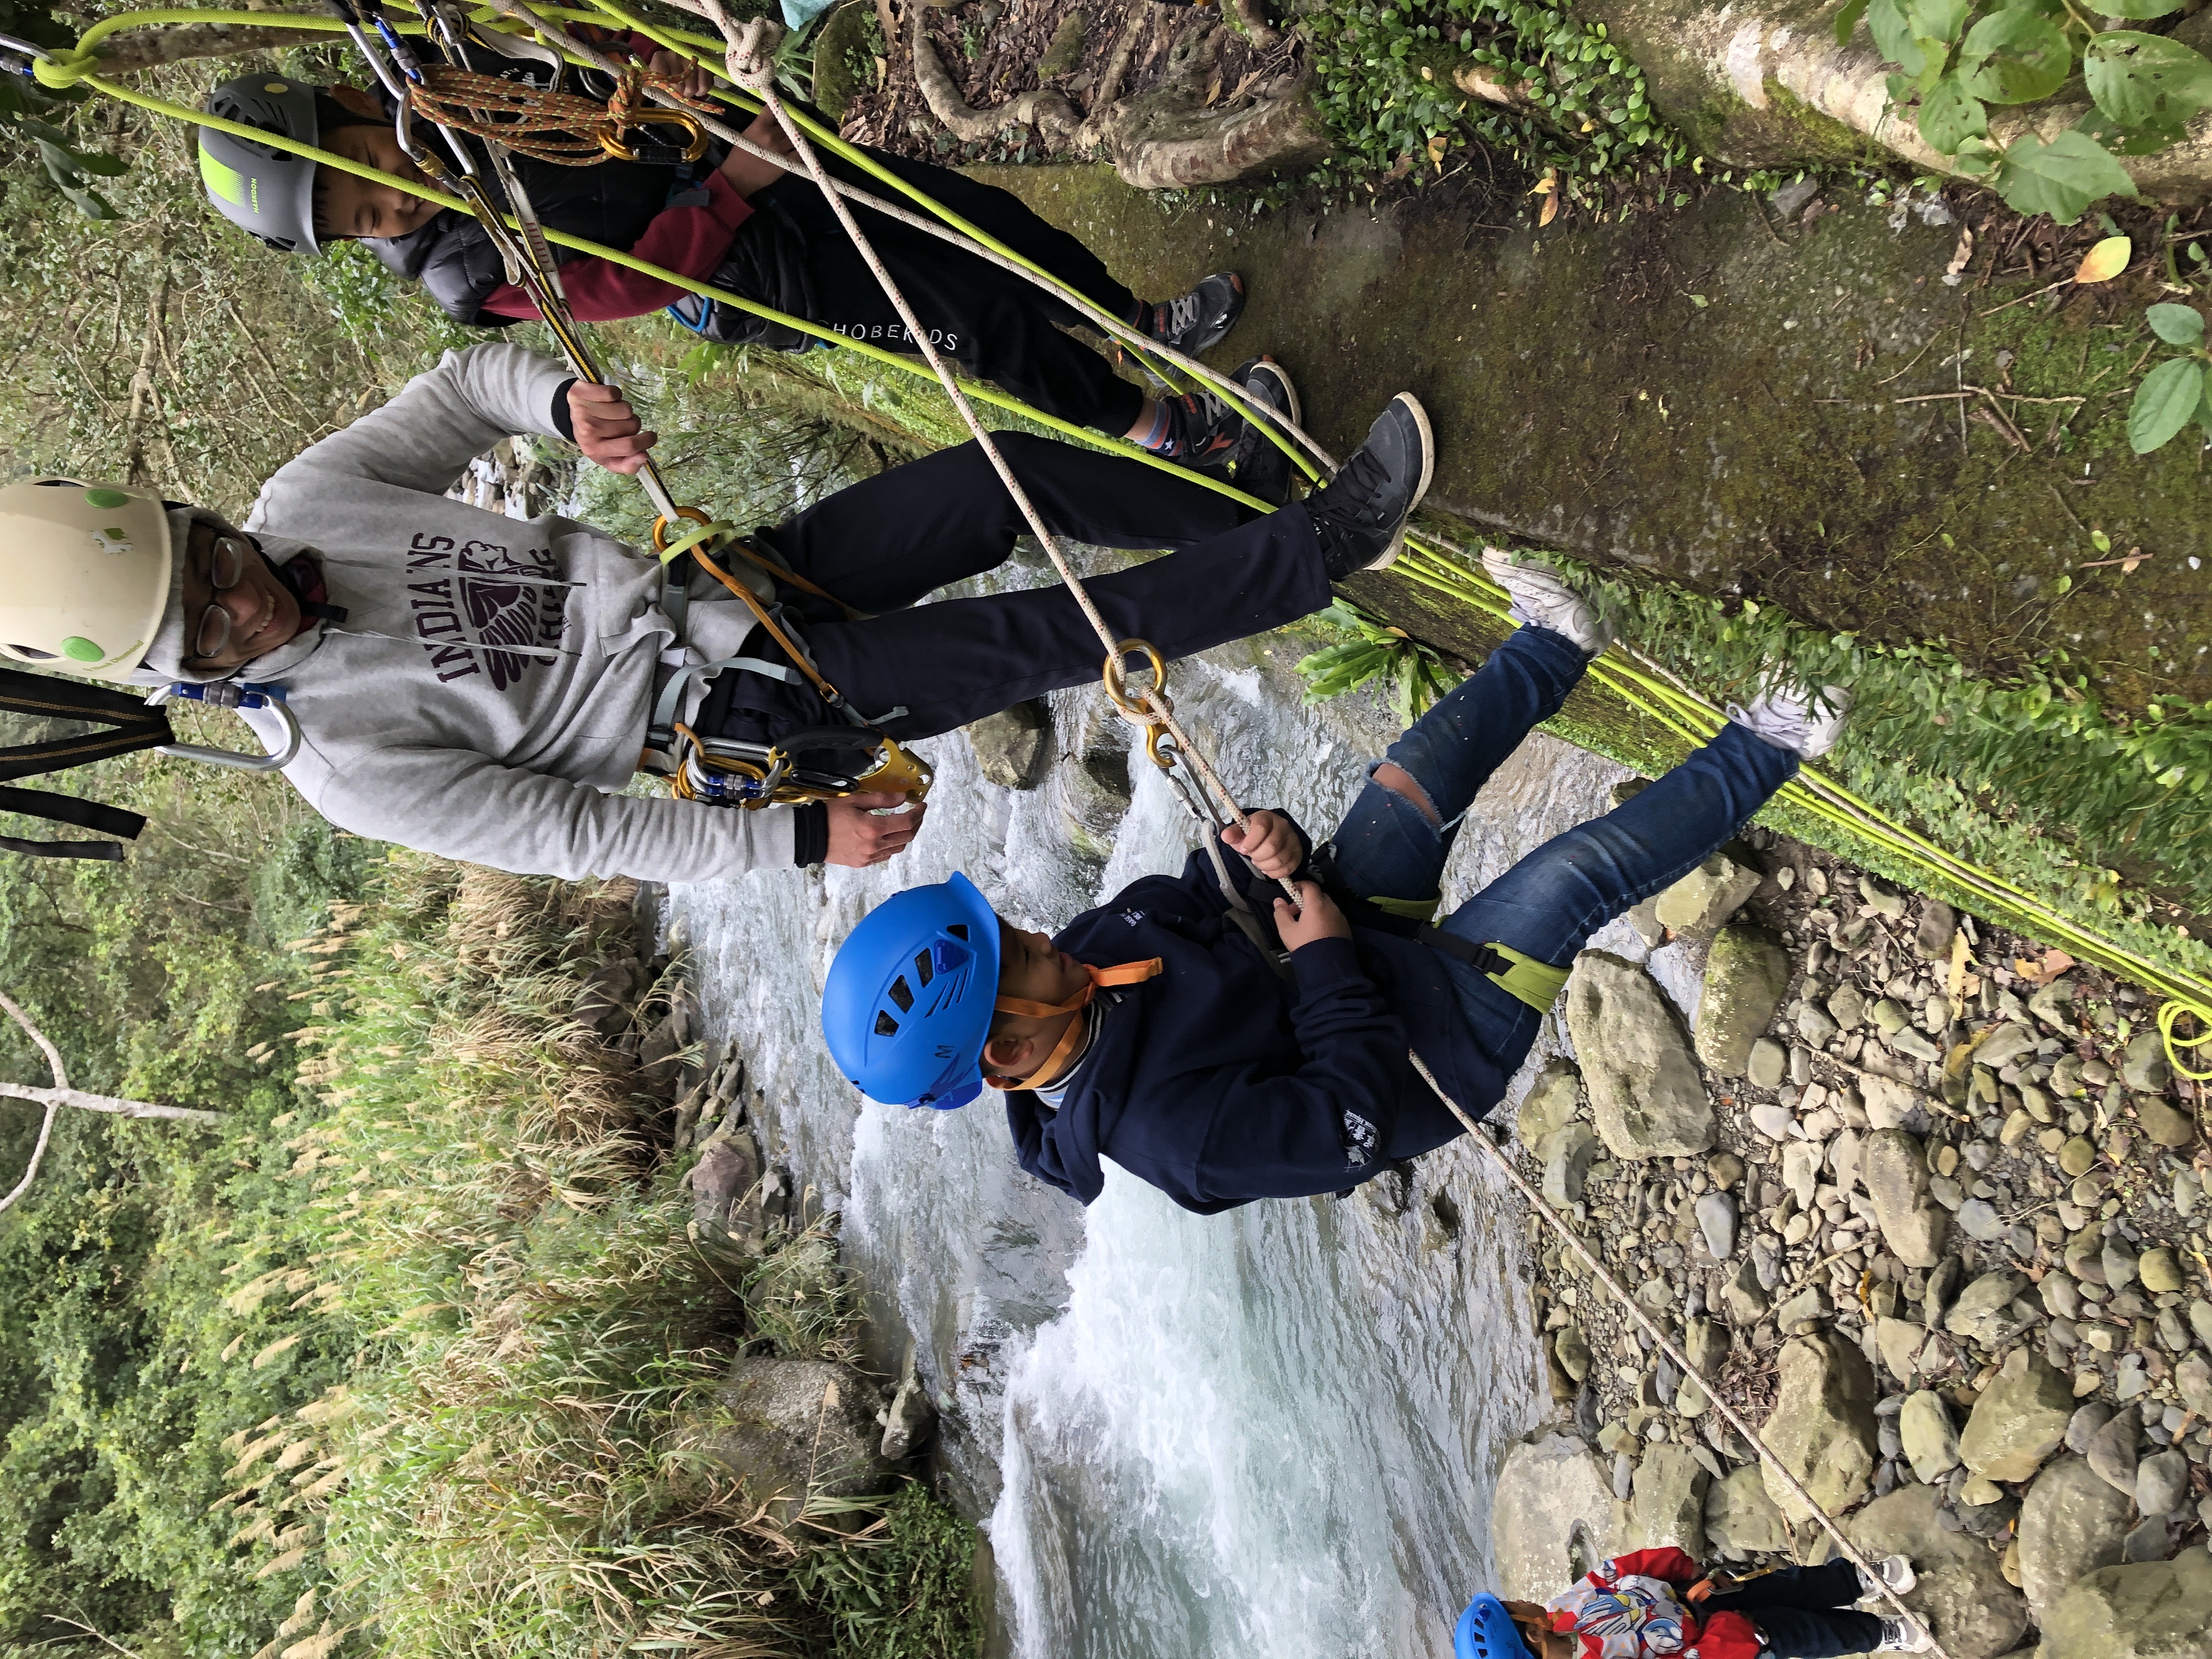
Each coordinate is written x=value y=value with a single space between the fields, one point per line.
x=908 y=1005
x=1486 y=1630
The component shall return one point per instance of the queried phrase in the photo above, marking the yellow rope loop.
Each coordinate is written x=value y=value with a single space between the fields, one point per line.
x=670 y=545
x=2170 y=1015
x=560 y=128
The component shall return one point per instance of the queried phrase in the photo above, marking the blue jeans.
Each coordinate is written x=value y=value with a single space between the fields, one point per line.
x=1804 y=1613
x=1548 y=904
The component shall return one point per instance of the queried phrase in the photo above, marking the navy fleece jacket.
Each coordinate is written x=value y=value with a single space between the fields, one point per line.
x=1219 y=1081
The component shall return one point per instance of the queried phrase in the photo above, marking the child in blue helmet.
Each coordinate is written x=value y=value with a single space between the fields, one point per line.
x=1162 y=1030
x=1658 y=1603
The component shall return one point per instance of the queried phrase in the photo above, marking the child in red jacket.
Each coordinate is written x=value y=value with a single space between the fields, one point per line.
x=1658 y=1604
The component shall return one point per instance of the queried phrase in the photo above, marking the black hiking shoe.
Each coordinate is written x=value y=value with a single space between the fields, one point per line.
x=1360 y=514
x=1203 y=431
x=1201 y=318
x=1258 y=464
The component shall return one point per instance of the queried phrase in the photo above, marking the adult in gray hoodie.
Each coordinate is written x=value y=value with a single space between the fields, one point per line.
x=480 y=687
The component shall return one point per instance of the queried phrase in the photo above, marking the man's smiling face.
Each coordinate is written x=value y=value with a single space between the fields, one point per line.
x=263 y=613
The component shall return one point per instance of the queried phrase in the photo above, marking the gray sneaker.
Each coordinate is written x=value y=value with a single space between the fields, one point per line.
x=1901 y=1635
x=1199 y=320
x=1789 y=716
x=1893 y=1572
x=1541 y=599
x=1360 y=514
x=1258 y=464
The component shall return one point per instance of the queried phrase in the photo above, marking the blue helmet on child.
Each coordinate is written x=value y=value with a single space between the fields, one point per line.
x=908 y=1005
x=1486 y=1630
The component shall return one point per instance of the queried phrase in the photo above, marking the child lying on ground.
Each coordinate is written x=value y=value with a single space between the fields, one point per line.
x=1656 y=1603
x=745 y=225
x=1152 y=1030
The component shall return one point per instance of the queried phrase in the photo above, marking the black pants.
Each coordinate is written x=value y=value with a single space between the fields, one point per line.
x=888 y=541
x=1804 y=1613
x=994 y=324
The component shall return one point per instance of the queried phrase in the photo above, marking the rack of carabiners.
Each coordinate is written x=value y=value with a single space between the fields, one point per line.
x=1430 y=561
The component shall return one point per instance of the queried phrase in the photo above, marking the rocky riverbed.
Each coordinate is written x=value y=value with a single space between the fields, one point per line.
x=1925 y=1202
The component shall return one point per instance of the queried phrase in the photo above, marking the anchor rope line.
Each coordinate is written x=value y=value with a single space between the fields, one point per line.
x=1431 y=560
x=1552 y=1218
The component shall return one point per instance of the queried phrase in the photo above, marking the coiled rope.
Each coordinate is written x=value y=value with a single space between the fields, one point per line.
x=1432 y=560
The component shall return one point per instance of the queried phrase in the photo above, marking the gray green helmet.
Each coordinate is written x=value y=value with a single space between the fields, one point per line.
x=261 y=189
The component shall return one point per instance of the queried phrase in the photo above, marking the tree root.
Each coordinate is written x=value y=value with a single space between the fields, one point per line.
x=1055 y=119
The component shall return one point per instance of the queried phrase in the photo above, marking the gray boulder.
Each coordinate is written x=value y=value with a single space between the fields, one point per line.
x=2157 y=1610
x=1644 y=1088
x=1898 y=1341
x=1667 y=1501
x=1930 y=1438
x=2112 y=1451
x=2144 y=1068
x=1823 y=1425
x=1566 y=1153
x=1707 y=896
x=1552 y=1515
x=1740 y=1519
x=798 y=1431
x=1746 y=973
x=1983 y=1313
x=1013 y=748
x=1961 y=1593
x=1549 y=1105
x=1894 y=1167
x=2070 y=1525
x=2019 y=1419
x=2161 y=1482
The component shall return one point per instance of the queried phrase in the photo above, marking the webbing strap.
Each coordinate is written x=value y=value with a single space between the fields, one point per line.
x=662 y=731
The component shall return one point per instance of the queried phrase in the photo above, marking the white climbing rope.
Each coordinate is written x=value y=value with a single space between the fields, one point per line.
x=1666 y=1344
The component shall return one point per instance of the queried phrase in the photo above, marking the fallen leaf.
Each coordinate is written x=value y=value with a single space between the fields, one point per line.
x=1477 y=82
x=2105 y=261
x=2054 y=962
x=1957 y=979
x=1213 y=90
x=1551 y=211
x=1545 y=185
x=1437 y=151
x=1962 y=255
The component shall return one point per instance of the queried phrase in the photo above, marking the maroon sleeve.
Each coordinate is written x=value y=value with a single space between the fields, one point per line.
x=689 y=241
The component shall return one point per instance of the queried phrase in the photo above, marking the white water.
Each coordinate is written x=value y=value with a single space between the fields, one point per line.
x=1272 y=1431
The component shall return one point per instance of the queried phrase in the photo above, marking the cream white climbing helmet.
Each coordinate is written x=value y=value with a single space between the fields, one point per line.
x=84 y=575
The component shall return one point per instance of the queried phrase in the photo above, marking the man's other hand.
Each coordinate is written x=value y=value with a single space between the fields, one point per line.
x=608 y=430
x=858 y=836
x=1269 y=842
x=1316 y=917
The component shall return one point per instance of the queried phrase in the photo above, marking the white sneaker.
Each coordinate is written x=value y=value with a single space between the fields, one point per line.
x=1904 y=1635
x=1895 y=1573
x=1541 y=600
x=1789 y=716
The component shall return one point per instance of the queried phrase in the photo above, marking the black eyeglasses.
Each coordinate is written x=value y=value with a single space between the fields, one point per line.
x=226 y=569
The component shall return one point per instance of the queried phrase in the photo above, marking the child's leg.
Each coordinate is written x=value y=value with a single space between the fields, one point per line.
x=1394 y=840
x=888 y=540
x=1805 y=1612
x=951 y=663
x=1550 y=902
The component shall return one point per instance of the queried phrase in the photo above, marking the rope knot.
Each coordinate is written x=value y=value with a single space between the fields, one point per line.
x=752 y=53
x=63 y=67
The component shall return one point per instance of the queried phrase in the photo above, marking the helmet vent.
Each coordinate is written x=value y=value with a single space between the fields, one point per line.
x=885 y=1025
x=959 y=930
x=902 y=994
x=923 y=971
x=32 y=651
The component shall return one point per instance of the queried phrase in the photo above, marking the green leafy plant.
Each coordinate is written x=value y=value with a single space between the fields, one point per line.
x=2179 y=390
x=1957 y=58
x=1385 y=84
x=1416 y=677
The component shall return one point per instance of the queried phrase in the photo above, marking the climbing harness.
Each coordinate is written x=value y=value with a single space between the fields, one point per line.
x=1431 y=560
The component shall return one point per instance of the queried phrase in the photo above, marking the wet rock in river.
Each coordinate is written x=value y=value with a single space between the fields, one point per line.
x=1645 y=1091
x=1746 y=973
x=1014 y=747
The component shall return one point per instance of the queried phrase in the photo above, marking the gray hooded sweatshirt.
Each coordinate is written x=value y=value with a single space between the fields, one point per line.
x=491 y=684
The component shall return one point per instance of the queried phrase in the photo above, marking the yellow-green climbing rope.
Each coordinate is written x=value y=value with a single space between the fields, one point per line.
x=1637 y=684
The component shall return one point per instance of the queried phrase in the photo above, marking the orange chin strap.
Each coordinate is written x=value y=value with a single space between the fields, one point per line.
x=1126 y=973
